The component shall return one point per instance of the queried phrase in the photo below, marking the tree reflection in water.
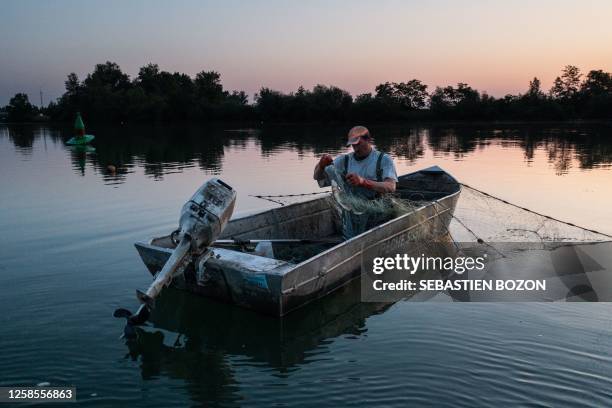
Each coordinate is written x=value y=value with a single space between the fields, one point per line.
x=165 y=149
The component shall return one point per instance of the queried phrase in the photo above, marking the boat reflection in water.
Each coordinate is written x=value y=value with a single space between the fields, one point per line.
x=202 y=325
x=198 y=340
x=207 y=345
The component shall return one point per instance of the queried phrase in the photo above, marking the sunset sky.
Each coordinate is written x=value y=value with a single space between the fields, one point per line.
x=495 y=46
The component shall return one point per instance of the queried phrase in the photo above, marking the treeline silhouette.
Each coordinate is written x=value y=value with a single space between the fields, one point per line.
x=107 y=94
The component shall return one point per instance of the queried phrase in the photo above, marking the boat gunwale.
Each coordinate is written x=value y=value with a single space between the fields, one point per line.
x=311 y=259
x=351 y=240
x=360 y=252
x=325 y=195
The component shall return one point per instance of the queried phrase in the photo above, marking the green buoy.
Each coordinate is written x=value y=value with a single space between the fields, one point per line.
x=80 y=137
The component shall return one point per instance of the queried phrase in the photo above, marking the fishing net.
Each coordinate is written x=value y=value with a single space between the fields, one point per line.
x=478 y=217
x=524 y=243
x=481 y=216
x=519 y=245
x=358 y=213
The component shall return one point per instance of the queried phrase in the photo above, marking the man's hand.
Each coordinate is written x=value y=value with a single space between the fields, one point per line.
x=325 y=161
x=358 y=181
x=319 y=170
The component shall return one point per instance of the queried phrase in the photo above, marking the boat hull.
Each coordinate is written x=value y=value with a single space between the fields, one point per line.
x=276 y=287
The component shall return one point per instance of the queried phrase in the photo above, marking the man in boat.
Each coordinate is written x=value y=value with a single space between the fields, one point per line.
x=371 y=173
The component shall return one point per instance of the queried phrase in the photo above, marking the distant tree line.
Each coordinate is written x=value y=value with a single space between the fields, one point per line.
x=107 y=94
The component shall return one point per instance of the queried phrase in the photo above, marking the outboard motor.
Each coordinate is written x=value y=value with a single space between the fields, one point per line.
x=206 y=214
x=202 y=220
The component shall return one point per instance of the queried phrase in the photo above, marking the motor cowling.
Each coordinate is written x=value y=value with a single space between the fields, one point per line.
x=202 y=220
x=205 y=215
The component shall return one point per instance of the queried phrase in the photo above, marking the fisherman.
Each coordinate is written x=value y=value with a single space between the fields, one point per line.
x=370 y=172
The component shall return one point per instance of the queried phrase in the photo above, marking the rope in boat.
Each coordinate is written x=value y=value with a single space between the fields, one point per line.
x=291 y=195
x=536 y=213
x=268 y=199
x=272 y=197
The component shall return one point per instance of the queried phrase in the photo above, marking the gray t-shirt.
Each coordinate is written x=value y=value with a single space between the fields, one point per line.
x=365 y=168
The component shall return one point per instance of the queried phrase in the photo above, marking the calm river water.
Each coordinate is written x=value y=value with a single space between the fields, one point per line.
x=67 y=261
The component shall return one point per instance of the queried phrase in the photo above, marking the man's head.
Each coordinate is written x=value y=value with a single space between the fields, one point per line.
x=359 y=137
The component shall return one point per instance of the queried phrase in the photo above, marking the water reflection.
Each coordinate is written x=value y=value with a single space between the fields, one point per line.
x=202 y=339
x=209 y=346
x=82 y=231
x=23 y=136
x=78 y=157
x=161 y=150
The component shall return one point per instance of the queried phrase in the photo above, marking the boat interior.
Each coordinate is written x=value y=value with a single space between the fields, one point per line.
x=299 y=231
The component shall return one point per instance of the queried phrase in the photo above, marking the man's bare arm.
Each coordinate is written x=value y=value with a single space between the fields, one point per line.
x=386 y=186
x=319 y=170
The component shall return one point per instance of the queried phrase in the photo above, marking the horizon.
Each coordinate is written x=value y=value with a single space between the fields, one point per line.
x=495 y=48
